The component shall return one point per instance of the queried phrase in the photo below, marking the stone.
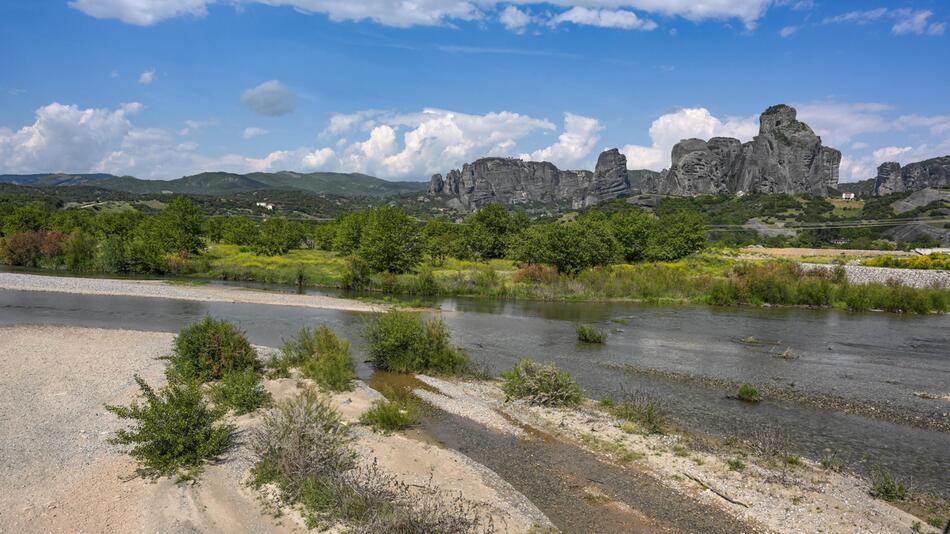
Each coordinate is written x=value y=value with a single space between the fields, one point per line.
x=892 y=178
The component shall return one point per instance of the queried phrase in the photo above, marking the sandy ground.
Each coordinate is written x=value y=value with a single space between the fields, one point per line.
x=162 y=289
x=60 y=474
x=803 y=499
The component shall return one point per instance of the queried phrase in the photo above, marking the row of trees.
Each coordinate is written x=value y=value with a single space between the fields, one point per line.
x=383 y=239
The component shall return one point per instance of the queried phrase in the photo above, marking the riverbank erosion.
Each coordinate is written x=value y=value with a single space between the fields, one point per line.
x=164 y=289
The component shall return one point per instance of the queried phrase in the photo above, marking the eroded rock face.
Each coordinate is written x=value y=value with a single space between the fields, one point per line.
x=891 y=178
x=786 y=157
x=513 y=181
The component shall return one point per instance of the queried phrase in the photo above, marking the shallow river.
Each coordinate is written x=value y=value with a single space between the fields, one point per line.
x=870 y=356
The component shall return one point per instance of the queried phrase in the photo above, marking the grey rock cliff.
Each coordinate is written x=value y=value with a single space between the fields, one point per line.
x=513 y=181
x=786 y=157
x=891 y=178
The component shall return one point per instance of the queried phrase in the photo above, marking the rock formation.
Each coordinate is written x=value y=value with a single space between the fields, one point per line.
x=786 y=157
x=891 y=178
x=513 y=181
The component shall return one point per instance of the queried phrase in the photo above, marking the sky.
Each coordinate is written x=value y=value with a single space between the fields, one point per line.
x=159 y=89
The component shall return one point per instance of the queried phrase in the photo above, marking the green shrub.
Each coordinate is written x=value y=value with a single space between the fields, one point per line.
x=749 y=393
x=589 y=334
x=304 y=448
x=736 y=464
x=389 y=415
x=209 y=349
x=541 y=384
x=175 y=432
x=331 y=363
x=885 y=487
x=793 y=459
x=240 y=391
x=356 y=274
x=643 y=410
x=402 y=342
x=390 y=241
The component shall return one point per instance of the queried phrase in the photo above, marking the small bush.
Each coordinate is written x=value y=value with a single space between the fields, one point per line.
x=885 y=487
x=240 y=391
x=209 y=349
x=402 y=342
x=589 y=334
x=628 y=427
x=389 y=415
x=793 y=460
x=536 y=273
x=736 y=464
x=356 y=274
x=321 y=356
x=541 y=384
x=749 y=393
x=643 y=410
x=175 y=432
x=304 y=448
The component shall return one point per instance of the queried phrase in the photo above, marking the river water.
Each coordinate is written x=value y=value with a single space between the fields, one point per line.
x=866 y=356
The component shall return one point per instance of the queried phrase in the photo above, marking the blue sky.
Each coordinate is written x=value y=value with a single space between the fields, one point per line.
x=163 y=88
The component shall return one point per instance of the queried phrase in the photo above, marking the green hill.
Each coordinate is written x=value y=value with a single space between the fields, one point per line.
x=53 y=180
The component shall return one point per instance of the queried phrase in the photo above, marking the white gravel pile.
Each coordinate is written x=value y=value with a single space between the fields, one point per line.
x=860 y=274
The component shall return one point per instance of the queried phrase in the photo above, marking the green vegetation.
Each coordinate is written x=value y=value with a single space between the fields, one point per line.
x=640 y=409
x=736 y=464
x=402 y=342
x=390 y=415
x=749 y=393
x=589 y=334
x=542 y=384
x=305 y=450
x=793 y=460
x=320 y=355
x=885 y=487
x=174 y=430
x=240 y=391
x=210 y=349
x=934 y=260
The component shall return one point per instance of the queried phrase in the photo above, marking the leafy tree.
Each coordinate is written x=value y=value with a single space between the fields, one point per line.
x=277 y=236
x=439 y=239
x=322 y=235
x=179 y=227
x=349 y=230
x=213 y=228
x=117 y=224
x=675 y=236
x=31 y=217
x=79 y=250
x=633 y=230
x=239 y=231
x=488 y=232
x=67 y=221
x=390 y=241
x=570 y=247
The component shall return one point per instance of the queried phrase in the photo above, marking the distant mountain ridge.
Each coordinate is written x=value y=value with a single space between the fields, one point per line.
x=225 y=183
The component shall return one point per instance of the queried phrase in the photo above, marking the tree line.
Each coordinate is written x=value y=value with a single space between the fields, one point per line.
x=382 y=239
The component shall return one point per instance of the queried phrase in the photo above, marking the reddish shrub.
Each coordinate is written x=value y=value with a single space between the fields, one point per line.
x=535 y=273
x=28 y=248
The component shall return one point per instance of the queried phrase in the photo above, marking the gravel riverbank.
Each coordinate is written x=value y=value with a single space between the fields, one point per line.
x=162 y=289
x=860 y=274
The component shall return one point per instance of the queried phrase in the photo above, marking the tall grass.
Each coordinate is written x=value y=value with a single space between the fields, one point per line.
x=402 y=342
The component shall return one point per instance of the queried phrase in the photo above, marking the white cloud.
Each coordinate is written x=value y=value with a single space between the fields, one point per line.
x=191 y=126
x=318 y=159
x=578 y=140
x=514 y=19
x=604 y=18
x=936 y=124
x=423 y=12
x=141 y=12
x=839 y=122
x=253 y=131
x=788 y=31
x=671 y=128
x=64 y=138
x=270 y=99
x=147 y=77
x=906 y=21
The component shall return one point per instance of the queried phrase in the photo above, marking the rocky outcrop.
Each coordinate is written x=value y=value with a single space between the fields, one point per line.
x=891 y=178
x=786 y=157
x=513 y=181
